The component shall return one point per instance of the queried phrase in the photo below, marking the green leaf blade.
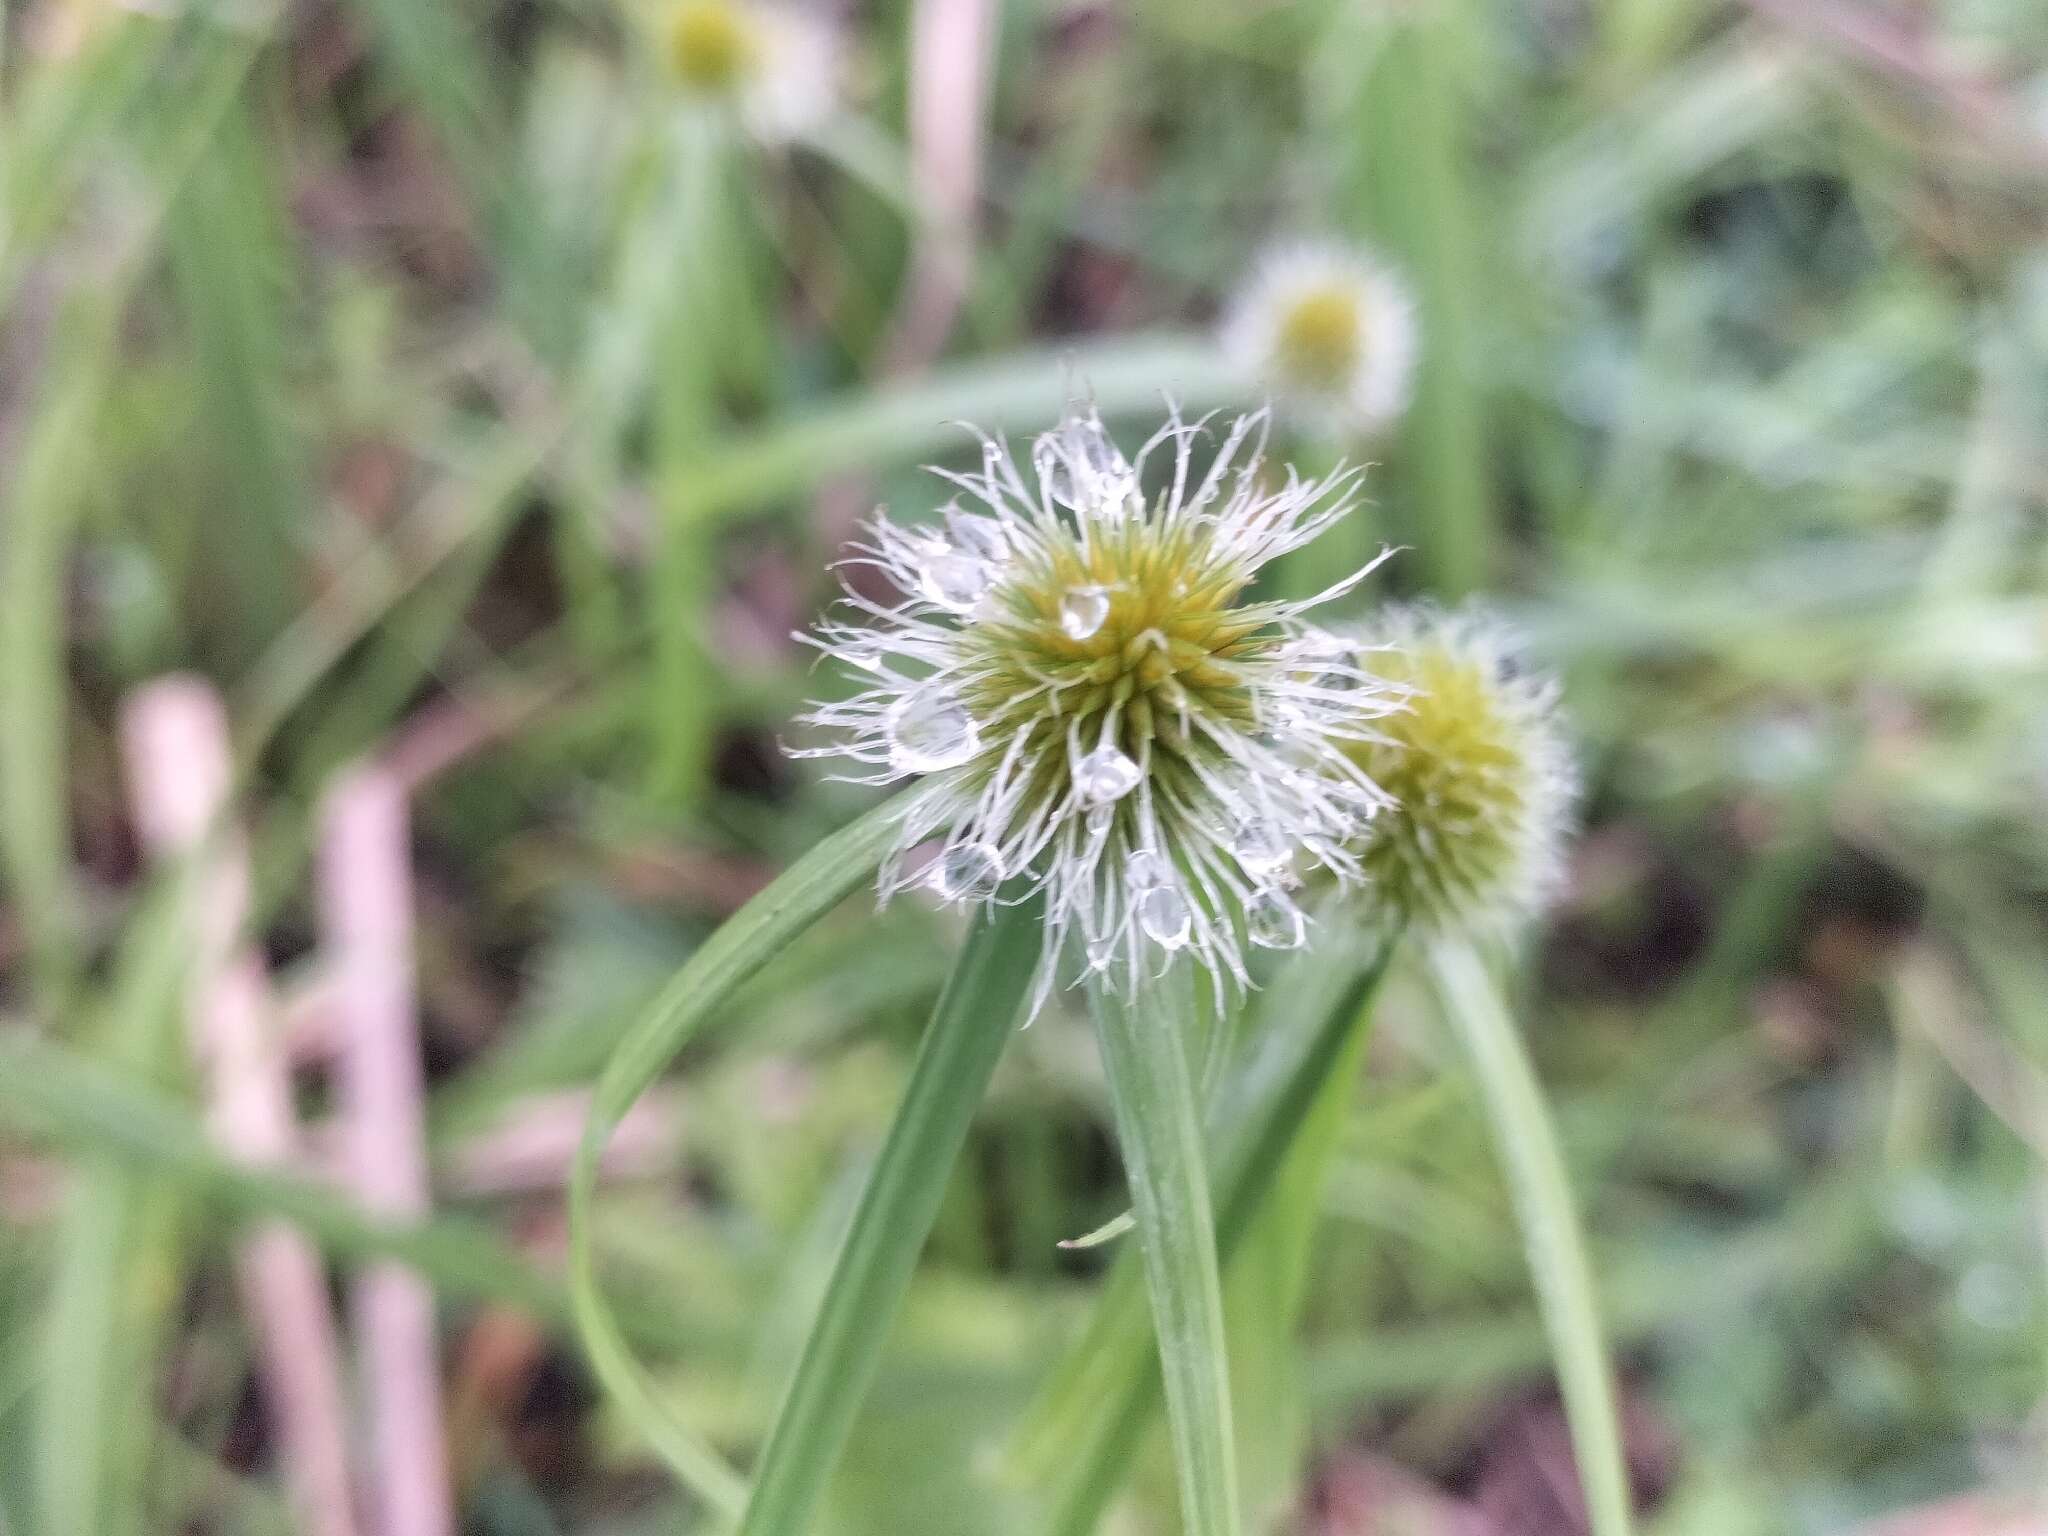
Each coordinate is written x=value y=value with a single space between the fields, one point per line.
x=969 y=1028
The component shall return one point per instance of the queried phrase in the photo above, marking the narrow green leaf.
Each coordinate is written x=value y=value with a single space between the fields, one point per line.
x=693 y=332
x=1417 y=198
x=62 y=1097
x=801 y=895
x=1108 y=1232
x=34 y=782
x=972 y=1023
x=231 y=263
x=100 y=1330
x=896 y=423
x=1159 y=1128
x=1541 y=1190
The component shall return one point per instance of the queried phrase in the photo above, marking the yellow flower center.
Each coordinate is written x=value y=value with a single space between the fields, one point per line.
x=1322 y=338
x=712 y=46
x=1133 y=635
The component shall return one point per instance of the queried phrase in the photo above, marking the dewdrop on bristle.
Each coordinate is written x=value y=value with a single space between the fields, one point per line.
x=1112 y=721
x=1480 y=775
x=1330 y=331
x=768 y=65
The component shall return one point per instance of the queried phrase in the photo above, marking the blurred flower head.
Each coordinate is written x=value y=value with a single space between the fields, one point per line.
x=1110 y=720
x=1330 y=330
x=772 y=66
x=1479 y=771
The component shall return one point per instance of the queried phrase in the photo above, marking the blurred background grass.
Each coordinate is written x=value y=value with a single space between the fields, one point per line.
x=434 y=382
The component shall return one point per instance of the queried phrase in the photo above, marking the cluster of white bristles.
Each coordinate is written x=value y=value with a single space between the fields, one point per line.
x=1108 y=719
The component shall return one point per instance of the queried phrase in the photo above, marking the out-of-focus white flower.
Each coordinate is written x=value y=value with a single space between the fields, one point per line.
x=1482 y=780
x=1110 y=720
x=1330 y=331
x=773 y=66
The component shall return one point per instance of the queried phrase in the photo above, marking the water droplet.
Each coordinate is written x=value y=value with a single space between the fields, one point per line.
x=1055 y=474
x=967 y=872
x=957 y=581
x=1090 y=444
x=981 y=537
x=1147 y=871
x=1260 y=848
x=1163 y=915
x=1099 y=818
x=1104 y=775
x=929 y=731
x=1082 y=611
x=1106 y=478
x=1271 y=921
x=1100 y=953
x=1326 y=661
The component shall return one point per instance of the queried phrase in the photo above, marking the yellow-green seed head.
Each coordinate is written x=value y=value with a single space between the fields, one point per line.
x=769 y=67
x=1479 y=772
x=1330 y=330
x=1105 y=708
x=711 y=46
x=1321 y=338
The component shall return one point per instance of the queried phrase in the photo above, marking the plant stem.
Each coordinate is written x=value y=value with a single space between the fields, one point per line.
x=969 y=1028
x=1294 y=1072
x=1541 y=1191
x=1159 y=1128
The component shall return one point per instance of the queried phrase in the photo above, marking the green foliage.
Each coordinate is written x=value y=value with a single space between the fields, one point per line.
x=422 y=374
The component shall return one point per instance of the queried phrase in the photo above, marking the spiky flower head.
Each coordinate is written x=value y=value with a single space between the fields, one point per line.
x=1480 y=774
x=1330 y=330
x=768 y=64
x=1107 y=713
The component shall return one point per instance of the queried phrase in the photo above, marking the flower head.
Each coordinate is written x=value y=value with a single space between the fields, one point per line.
x=1479 y=771
x=1109 y=716
x=773 y=66
x=1331 y=331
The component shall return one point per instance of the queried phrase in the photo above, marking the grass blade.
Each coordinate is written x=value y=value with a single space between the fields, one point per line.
x=102 y=1322
x=233 y=269
x=1159 y=1127
x=1417 y=196
x=968 y=1031
x=898 y=423
x=1550 y=1230
x=34 y=775
x=802 y=894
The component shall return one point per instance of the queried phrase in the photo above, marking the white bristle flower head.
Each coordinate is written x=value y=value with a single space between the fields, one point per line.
x=1480 y=772
x=1330 y=330
x=1105 y=715
x=773 y=67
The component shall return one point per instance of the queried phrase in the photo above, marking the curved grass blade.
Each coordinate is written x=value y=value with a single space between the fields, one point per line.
x=969 y=1028
x=801 y=895
x=1550 y=1231
x=67 y=1100
x=1158 y=1124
